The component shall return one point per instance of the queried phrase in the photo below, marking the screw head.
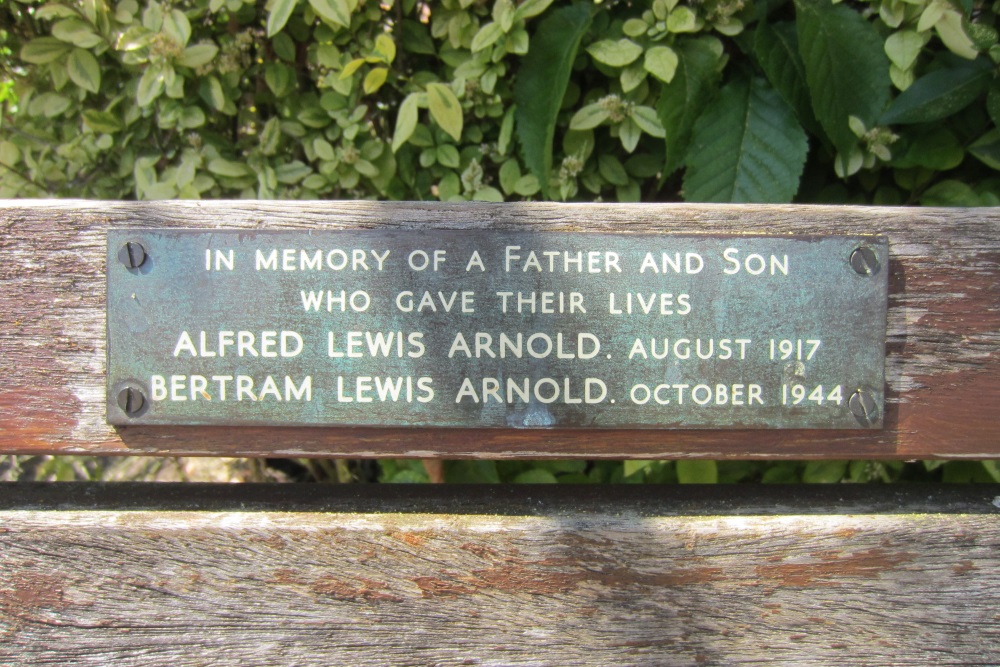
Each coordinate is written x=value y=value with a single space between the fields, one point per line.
x=132 y=254
x=131 y=400
x=863 y=406
x=864 y=261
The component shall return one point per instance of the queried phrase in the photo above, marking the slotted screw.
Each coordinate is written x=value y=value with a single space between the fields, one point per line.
x=131 y=400
x=864 y=261
x=863 y=406
x=132 y=255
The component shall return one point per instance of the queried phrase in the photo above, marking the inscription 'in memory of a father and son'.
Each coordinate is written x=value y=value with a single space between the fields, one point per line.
x=471 y=307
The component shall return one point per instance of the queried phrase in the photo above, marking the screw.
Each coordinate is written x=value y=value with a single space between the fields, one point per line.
x=864 y=261
x=131 y=400
x=132 y=255
x=863 y=406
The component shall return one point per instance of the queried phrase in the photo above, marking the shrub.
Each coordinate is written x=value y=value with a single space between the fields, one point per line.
x=890 y=101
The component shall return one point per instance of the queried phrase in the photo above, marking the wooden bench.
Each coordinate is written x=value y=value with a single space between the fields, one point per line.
x=206 y=574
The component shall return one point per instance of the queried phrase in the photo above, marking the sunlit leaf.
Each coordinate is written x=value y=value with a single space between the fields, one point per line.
x=445 y=109
x=277 y=17
x=83 y=69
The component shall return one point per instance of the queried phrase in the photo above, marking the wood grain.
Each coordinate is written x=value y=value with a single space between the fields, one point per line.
x=942 y=367
x=314 y=575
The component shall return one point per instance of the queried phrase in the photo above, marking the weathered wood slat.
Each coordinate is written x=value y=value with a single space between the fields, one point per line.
x=189 y=575
x=943 y=353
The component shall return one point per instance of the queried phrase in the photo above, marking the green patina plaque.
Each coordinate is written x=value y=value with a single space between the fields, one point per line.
x=497 y=329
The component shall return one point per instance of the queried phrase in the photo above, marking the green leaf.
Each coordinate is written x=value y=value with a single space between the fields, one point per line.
x=222 y=167
x=76 y=32
x=212 y=90
x=510 y=171
x=503 y=13
x=682 y=19
x=279 y=78
x=611 y=169
x=635 y=28
x=152 y=17
x=661 y=62
x=150 y=85
x=192 y=117
x=747 y=147
x=277 y=17
x=517 y=42
x=939 y=94
x=198 y=55
x=987 y=149
x=447 y=156
x=993 y=102
x=83 y=69
x=506 y=130
x=629 y=134
x=284 y=47
x=9 y=153
x=352 y=67
x=49 y=105
x=176 y=24
x=697 y=472
x=385 y=48
x=292 y=172
x=488 y=193
x=776 y=47
x=949 y=28
x=950 y=193
x=846 y=67
x=315 y=182
x=415 y=38
x=615 y=53
x=530 y=8
x=336 y=11
x=44 y=50
x=527 y=185
x=824 y=472
x=645 y=118
x=374 y=79
x=102 y=121
x=486 y=36
x=632 y=467
x=366 y=168
x=323 y=149
x=938 y=149
x=685 y=97
x=541 y=85
x=406 y=121
x=135 y=38
x=903 y=47
x=55 y=11
x=445 y=109
x=589 y=117
x=632 y=77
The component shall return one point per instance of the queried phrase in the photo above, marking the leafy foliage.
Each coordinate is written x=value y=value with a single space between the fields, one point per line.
x=892 y=101
x=747 y=147
x=541 y=86
x=846 y=68
x=876 y=101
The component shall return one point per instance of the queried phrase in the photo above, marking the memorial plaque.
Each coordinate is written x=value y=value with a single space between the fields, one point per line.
x=495 y=329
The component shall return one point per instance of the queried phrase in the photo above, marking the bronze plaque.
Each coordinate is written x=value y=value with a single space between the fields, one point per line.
x=495 y=329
